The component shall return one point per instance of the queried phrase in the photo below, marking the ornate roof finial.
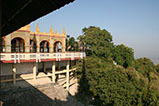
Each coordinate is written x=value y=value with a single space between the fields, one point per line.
x=51 y=30
x=37 y=29
x=56 y=31
x=64 y=31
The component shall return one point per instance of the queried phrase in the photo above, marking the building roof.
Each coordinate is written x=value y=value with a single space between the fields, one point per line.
x=37 y=31
x=16 y=14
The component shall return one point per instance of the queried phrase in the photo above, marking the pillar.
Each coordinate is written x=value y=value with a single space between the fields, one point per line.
x=27 y=49
x=53 y=71
x=38 y=49
x=58 y=65
x=34 y=70
x=51 y=49
x=14 y=73
x=44 y=66
x=70 y=63
x=67 y=76
x=8 y=43
x=8 y=48
x=27 y=42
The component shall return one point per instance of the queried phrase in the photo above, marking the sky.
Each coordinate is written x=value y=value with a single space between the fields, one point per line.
x=134 y=23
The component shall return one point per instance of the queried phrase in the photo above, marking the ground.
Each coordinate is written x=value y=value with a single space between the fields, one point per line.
x=40 y=92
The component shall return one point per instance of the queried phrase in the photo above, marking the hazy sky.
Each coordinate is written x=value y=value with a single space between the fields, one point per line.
x=134 y=23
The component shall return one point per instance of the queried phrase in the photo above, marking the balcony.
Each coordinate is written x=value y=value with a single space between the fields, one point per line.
x=39 y=57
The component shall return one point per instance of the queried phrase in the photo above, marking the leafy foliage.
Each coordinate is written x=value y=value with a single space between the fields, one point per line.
x=130 y=83
x=145 y=66
x=110 y=85
x=71 y=44
x=157 y=68
x=97 y=42
x=123 y=55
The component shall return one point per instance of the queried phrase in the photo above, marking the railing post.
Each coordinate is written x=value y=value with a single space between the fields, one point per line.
x=15 y=58
x=18 y=58
x=39 y=57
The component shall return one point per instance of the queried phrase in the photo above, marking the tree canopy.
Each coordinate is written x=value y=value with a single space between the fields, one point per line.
x=157 y=68
x=129 y=83
x=71 y=44
x=111 y=85
x=97 y=42
x=145 y=66
x=123 y=55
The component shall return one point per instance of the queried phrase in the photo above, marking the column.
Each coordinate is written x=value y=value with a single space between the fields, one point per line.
x=58 y=65
x=53 y=71
x=8 y=48
x=44 y=66
x=34 y=70
x=27 y=49
x=14 y=73
x=27 y=42
x=38 y=49
x=70 y=63
x=8 y=43
x=51 y=49
x=67 y=76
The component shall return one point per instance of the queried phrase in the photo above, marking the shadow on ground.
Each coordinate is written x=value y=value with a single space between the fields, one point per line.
x=42 y=95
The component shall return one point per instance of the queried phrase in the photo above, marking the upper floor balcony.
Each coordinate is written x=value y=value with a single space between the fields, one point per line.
x=17 y=48
x=39 y=57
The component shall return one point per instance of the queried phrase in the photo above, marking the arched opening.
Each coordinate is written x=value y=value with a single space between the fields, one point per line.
x=44 y=46
x=58 y=46
x=3 y=45
x=33 y=46
x=18 y=45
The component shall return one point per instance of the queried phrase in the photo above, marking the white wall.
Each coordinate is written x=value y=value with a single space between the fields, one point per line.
x=6 y=68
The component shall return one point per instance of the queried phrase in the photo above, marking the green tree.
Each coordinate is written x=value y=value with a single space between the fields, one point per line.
x=123 y=55
x=145 y=66
x=106 y=84
x=110 y=85
x=157 y=68
x=97 y=42
x=71 y=44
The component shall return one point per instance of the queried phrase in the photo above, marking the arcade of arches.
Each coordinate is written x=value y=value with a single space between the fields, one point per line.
x=18 y=46
x=24 y=41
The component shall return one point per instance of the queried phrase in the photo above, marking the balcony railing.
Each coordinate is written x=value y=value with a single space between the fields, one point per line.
x=38 y=57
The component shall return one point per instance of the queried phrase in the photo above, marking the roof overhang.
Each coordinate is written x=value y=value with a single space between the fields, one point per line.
x=17 y=13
